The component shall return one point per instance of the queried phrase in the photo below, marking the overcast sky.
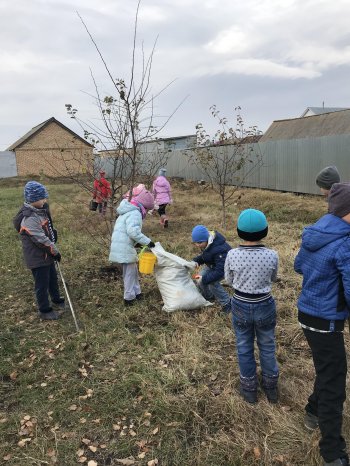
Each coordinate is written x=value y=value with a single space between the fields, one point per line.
x=273 y=58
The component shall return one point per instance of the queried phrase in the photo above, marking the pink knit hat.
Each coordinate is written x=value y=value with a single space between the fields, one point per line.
x=146 y=199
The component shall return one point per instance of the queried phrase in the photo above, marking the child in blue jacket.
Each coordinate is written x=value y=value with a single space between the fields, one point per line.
x=126 y=234
x=214 y=251
x=323 y=305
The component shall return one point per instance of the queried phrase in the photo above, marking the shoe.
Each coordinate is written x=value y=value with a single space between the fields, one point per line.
x=166 y=223
x=271 y=394
x=51 y=315
x=337 y=462
x=60 y=305
x=311 y=421
x=129 y=302
x=139 y=297
x=249 y=397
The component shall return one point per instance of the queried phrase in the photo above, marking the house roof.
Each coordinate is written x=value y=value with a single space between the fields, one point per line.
x=325 y=124
x=320 y=110
x=25 y=138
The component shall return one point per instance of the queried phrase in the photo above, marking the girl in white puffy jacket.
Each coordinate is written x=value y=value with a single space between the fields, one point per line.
x=126 y=234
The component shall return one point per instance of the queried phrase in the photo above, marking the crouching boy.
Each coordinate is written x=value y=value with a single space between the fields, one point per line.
x=214 y=251
x=323 y=305
x=39 y=249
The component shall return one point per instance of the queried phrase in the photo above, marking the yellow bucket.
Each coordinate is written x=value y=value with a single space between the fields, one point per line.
x=146 y=262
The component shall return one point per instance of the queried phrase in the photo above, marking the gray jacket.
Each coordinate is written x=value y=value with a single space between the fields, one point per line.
x=32 y=224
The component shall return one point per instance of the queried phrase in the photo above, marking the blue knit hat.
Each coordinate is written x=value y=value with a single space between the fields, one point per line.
x=200 y=234
x=162 y=172
x=34 y=191
x=252 y=225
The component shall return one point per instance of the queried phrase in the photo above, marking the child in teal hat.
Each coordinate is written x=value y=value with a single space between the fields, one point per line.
x=250 y=269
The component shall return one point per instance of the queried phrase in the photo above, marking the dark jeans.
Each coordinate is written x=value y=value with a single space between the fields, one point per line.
x=45 y=283
x=161 y=209
x=258 y=320
x=327 y=399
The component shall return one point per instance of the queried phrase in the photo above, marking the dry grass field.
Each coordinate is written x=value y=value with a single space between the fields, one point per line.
x=139 y=386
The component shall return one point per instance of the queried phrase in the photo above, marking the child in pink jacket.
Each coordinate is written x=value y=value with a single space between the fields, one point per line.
x=162 y=196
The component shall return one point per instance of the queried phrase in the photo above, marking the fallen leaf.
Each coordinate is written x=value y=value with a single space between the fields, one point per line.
x=153 y=462
x=23 y=442
x=141 y=455
x=92 y=448
x=92 y=463
x=257 y=453
x=155 y=431
x=73 y=408
x=7 y=457
x=80 y=452
x=51 y=452
x=86 y=441
x=13 y=375
x=127 y=461
x=82 y=459
x=132 y=433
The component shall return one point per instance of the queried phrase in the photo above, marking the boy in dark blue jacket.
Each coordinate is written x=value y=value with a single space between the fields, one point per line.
x=324 y=303
x=214 y=251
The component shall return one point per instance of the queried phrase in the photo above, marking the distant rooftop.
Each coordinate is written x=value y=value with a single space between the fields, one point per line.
x=324 y=124
x=320 y=110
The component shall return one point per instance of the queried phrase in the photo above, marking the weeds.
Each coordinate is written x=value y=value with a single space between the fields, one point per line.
x=140 y=384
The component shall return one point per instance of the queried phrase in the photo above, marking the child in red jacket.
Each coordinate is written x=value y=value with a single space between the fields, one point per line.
x=102 y=192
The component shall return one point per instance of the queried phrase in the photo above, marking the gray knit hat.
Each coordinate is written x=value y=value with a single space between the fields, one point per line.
x=339 y=199
x=327 y=177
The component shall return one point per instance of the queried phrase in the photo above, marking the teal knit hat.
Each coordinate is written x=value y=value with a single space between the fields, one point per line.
x=252 y=225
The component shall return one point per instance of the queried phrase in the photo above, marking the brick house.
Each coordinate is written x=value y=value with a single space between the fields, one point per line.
x=52 y=149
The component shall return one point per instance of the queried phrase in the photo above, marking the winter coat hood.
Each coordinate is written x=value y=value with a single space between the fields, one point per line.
x=326 y=230
x=324 y=262
x=125 y=206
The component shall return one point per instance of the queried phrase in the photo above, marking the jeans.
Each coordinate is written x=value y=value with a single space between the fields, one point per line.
x=45 y=283
x=250 y=320
x=214 y=290
x=131 y=281
x=327 y=399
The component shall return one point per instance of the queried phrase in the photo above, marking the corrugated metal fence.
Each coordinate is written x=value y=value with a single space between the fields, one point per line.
x=287 y=165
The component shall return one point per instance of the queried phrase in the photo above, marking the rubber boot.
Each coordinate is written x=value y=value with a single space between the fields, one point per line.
x=165 y=221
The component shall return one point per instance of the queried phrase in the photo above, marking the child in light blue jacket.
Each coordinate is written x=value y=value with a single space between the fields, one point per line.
x=126 y=234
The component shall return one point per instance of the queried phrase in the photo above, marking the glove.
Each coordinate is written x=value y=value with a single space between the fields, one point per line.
x=199 y=281
x=151 y=244
x=57 y=257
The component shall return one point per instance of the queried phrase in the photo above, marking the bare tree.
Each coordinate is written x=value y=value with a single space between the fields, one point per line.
x=126 y=121
x=229 y=157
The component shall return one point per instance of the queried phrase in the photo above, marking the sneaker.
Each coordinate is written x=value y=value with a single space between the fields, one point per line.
x=129 y=302
x=337 y=462
x=139 y=297
x=249 y=397
x=166 y=223
x=271 y=394
x=51 y=315
x=311 y=421
x=60 y=305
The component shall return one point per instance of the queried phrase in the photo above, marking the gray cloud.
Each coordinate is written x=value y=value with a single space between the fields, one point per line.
x=272 y=58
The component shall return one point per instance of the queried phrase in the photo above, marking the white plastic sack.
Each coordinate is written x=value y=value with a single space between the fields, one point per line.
x=175 y=283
